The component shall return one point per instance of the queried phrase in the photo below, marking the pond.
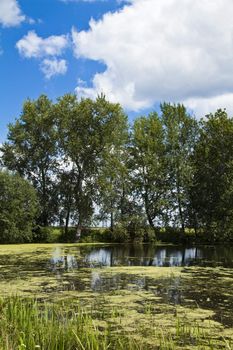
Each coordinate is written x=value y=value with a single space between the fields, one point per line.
x=141 y=255
x=192 y=283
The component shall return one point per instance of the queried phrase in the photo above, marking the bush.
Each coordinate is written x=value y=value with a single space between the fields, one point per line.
x=69 y=236
x=46 y=234
x=132 y=230
x=120 y=233
x=95 y=235
x=150 y=234
x=88 y=235
x=40 y=234
x=169 y=235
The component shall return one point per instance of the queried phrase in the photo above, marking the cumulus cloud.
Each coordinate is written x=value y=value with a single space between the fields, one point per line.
x=47 y=50
x=32 y=45
x=52 y=67
x=156 y=50
x=203 y=106
x=10 y=13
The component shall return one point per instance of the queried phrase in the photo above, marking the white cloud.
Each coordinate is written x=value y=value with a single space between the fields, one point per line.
x=204 y=106
x=47 y=50
x=10 y=13
x=32 y=45
x=156 y=50
x=52 y=67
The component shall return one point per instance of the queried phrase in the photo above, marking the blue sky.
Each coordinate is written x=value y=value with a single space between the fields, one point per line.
x=21 y=78
x=137 y=52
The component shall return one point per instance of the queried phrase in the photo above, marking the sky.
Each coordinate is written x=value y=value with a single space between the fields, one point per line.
x=137 y=52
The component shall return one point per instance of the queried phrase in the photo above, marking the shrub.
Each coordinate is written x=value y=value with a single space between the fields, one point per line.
x=120 y=233
x=46 y=234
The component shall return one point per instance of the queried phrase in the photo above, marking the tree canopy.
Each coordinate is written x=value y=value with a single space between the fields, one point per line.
x=87 y=164
x=18 y=208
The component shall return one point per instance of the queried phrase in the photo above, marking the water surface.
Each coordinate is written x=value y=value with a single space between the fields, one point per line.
x=141 y=255
x=198 y=278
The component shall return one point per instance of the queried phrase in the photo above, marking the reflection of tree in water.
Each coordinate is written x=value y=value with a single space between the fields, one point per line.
x=145 y=255
x=63 y=260
x=127 y=255
x=71 y=258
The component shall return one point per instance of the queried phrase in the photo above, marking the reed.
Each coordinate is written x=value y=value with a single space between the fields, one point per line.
x=31 y=324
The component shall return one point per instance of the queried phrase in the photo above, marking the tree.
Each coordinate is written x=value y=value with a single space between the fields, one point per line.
x=212 y=191
x=18 y=209
x=31 y=150
x=66 y=185
x=88 y=132
x=113 y=176
x=148 y=164
x=180 y=132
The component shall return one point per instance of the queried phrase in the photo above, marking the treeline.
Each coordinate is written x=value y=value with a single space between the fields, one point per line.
x=167 y=172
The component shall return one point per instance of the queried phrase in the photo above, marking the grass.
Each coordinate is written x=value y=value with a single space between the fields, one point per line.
x=30 y=324
x=27 y=324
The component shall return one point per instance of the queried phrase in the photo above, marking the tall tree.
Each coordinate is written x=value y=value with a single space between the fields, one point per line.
x=88 y=132
x=113 y=176
x=31 y=150
x=180 y=130
x=212 y=190
x=148 y=164
x=66 y=186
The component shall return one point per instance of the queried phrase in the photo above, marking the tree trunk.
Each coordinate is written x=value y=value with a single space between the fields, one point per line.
x=111 y=221
x=179 y=204
x=123 y=202
x=181 y=216
x=67 y=220
x=45 y=217
x=78 y=233
x=149 y=218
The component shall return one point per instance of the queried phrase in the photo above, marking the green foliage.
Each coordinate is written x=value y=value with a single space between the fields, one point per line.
x=88 y=166
x=148 y=165
x=88 y=235
x=113 y=182
x=46 y=234
x=180 y=135
x=139 y=231
x=96 y=235
x=120 y=233
x=18 y=209
x=212 y=192
x=133 y=230
x=31 y=150
x=89 y=131
x=68 y=235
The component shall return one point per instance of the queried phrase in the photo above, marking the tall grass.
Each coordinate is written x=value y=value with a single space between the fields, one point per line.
x=34 y=325
x=29 y=324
